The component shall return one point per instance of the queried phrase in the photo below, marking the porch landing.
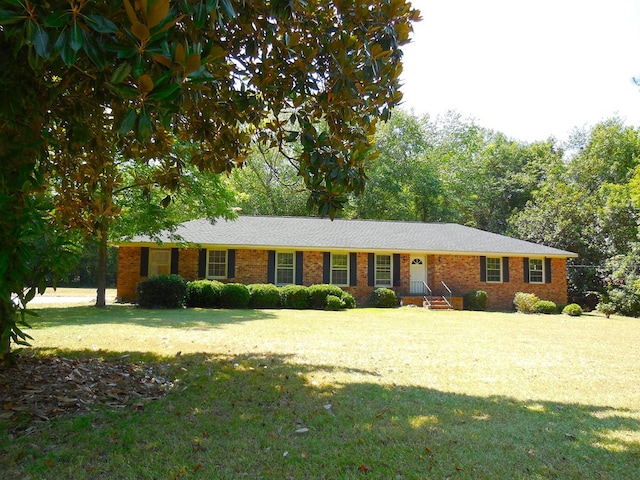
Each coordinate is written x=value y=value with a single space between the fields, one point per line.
x=437 y=303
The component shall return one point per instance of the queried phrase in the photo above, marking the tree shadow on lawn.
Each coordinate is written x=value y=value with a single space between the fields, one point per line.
x=126 y=314
x=262 y=416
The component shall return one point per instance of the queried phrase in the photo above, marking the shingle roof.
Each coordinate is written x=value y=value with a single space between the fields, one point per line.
x=311 y=233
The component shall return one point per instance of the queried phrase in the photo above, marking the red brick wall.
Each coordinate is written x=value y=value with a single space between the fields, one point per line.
x=460 y=272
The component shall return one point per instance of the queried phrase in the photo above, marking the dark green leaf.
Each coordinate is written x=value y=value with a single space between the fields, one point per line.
x=199 y=16
x=76 y=37
x=8 y=17
x=67 y=54
x=127 y=123
x=168 y=94
x=228 y=8
x=124 y=91
x=144 y=127
x=121 y=72
x=41 y=42
x=57 y=19
x=101 y=24
x=94 y=53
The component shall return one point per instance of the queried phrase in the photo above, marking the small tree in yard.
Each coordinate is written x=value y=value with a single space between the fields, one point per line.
x=84 y=81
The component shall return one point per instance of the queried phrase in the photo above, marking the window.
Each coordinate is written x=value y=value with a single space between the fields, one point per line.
x=284 y=268
x=159 y=261
x=383 y=271
x=340 y=269
x=536 y=272
x=217 y=264
x=494 y=270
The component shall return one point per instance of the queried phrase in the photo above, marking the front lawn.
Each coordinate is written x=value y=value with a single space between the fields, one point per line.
x=364 y=393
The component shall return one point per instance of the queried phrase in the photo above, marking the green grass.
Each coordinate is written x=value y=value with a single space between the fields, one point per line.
x=400 y=393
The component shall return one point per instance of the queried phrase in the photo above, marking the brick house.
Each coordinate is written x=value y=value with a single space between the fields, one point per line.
x=414 y=259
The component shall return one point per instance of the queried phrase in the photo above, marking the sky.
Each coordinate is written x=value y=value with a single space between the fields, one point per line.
x=530 y=69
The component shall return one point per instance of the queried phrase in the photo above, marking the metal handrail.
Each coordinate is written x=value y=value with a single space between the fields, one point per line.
x=450 y=294
x=427 y=290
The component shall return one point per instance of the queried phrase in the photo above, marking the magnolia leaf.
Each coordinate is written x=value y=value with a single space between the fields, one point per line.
x=100 y=24
x=157 y=12
x=145 y=83
x=94 y=53
x=192 y=64
x=121 y=72
x=41 y=42
x=144 y=127
x=140 y=31
x=127 y=122
x=130 y=12
x=162 y=60
x=180 y=53
x=57 y=19
x=76 y=37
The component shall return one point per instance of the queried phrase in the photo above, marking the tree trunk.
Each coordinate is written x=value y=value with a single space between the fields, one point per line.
x=101 y=294
x=7 y=319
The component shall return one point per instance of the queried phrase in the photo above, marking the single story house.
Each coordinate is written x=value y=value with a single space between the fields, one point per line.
x=414 y=259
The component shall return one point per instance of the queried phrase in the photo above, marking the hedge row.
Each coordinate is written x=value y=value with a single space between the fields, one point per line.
x=172 y=291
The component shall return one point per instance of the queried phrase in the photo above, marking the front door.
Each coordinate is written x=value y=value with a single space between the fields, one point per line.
x=418 y=274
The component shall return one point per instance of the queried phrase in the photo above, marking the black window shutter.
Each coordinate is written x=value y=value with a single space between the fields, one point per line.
x=326 y=267
x=547 y=270
x=353 y=269
x=525 y=268
x=396 y=270
x=144 y=261
x=483 y=269
x=175 y=253
x=299 y=263
x=231 y=263
x=505 y=269
x=202 y=263
x=271 y=266
x=371 y=274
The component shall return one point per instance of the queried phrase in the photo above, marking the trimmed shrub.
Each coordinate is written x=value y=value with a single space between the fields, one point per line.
x=294 y=296
x=334 y=303
x=318 y=295
x=476 y=300
x=573 y=310
x=234 y=295
x=524 y=302
x=605 y=308
x=162 y=291
x=545 y=306
x=204 y=293
x=384 y=298
x=264 y=295
x=349 y=300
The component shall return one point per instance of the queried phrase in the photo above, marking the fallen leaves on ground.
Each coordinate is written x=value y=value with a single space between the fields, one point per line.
x=38 y=389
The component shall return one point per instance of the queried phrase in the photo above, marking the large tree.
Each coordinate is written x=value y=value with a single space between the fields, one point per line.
x=82 y=78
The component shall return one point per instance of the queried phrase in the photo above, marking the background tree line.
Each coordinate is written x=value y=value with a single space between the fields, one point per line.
x=582 y=194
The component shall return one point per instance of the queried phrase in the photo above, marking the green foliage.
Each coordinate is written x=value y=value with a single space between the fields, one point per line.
x=348 y=299
x=475 y=300
x=264 y=295
x=334 y=303
x=384 y=298
x=318 y=295
x=162 y=291
x=234 y=295
x=294 y=296
x=545 y=306
x=524 y=302
x=573 y=310
x=607 y=309
x=204 y=294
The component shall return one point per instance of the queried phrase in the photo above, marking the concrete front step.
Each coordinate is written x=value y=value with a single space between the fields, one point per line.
x=437 y=303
